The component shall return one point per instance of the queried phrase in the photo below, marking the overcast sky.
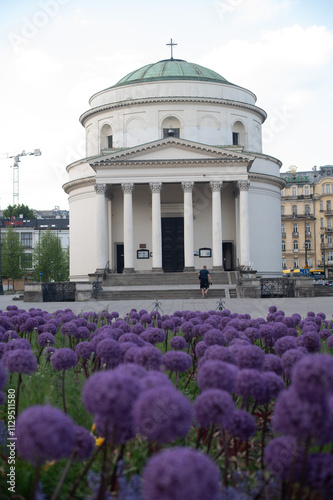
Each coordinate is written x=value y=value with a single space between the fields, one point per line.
x=56 y=53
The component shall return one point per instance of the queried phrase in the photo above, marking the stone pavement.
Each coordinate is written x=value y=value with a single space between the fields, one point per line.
x=255 y=307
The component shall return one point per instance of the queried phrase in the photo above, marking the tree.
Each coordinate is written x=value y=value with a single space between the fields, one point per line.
x=50 y=258
x=17 y=210
x=12 y=255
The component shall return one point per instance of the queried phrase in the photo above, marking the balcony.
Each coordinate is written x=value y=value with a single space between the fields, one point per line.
x=328 y=229
x=295 y=234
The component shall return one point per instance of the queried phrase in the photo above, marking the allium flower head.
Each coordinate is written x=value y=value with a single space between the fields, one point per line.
x=20 y=361
x=179 y=474
x=250 y=383
x=325 y=333
x=82 y=332
x=162 y=414
x=273 y=364
x=280 y=455
x=289 y=360
x=313 y=376
x=319 y=475
x=149 y=356
x=200 y=348
x=84 y=443
x=178 y=343
x=250 y=357
x=215 y=374
x=214 y=406
x=176 y=361
x=84 y=350
x=44 y=433
x=279 y=330
x=242 y=425
x=284 y=343
x=109 y=352
x=3 y=376
x=214 y=337
x=45 y=339
x=18 y=344
x=252 y=333
x=153 y=335
x=153 y=379
x=63 y=359
x=10 y=335
x=221 y=353
x=131 y=337
x=69 y=328
x=311 y=341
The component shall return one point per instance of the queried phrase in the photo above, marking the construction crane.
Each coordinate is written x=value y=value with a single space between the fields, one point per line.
x=15 y=165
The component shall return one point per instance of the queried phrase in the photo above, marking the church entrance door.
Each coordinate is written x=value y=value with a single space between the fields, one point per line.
x=120 y=258
x=173 y=244
x=227 y=256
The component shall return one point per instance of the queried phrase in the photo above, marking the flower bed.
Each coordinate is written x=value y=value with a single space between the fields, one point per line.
x=196 y=405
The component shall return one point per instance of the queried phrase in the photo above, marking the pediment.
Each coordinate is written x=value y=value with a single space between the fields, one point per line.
x=172 y=149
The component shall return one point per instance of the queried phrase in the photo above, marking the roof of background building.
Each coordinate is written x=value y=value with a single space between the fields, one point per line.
x=171 y=69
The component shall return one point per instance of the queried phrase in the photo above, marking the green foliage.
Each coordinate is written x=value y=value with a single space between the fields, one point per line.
x=50 y=258
x=12 y=255
x=17 y=210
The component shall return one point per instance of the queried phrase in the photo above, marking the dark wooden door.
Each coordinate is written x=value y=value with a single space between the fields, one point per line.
x=173 y=244
x=227 y=256
x=120 y=258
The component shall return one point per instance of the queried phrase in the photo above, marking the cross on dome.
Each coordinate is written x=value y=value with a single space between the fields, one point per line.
x=171 y=46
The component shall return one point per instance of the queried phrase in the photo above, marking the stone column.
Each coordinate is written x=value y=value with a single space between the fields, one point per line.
x=155 y=188
x=127 y=189
x=188 y=226
x=236 y=196
x=101 y=228
x=244 y=223
x=108 y=195
x=217 y=249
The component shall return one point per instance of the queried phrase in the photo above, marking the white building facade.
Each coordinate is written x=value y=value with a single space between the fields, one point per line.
x=174 y=177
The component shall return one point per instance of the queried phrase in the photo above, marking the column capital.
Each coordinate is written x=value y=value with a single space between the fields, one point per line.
x=108 y=192
x=216 y=185
x=100 y=188
x=155 y=187
x=187 y=186
x=243 y=185
x=127 y=187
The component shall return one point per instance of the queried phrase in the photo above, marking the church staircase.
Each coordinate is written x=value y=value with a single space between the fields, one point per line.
x=156 y=285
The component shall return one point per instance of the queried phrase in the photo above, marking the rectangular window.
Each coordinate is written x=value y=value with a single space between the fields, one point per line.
x=26 y=240
x=329 y=223
x=328 y=188
x=235 y=138
x=296 y=263
x=308 y=244
x=283 y=245
x=109 y=141
x=294 y=208
x=329 y=240
x=307 y=228
x=294 y=191
x=306 y=190
x=295 y=228
x=321 y=208
x=27 y=260
x=329 y=256
x=283 y=228
x=309 y=261
x=328 y=206
x=282 y=209
x=322 y=223
x=295 y=246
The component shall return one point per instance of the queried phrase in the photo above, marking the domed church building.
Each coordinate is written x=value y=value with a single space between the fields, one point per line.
x=174 y=177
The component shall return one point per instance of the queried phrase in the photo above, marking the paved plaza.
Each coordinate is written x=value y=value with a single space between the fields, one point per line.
x=256 y=307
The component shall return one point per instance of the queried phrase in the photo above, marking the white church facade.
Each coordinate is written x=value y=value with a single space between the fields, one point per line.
x=174 y=177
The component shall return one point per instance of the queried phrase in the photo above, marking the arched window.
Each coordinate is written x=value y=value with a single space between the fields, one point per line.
x=106 y=138
x=170 y=127
x=238 y=134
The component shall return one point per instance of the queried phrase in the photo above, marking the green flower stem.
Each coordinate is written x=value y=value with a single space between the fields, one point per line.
x=63 y=476
x=18 y=394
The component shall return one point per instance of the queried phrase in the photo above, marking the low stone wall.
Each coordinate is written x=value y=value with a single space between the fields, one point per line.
x=33 y=292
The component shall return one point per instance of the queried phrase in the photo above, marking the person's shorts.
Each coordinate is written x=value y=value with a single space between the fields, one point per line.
x=204 y=284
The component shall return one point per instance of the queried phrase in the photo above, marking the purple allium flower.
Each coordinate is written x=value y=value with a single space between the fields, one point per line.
x=95 y=339
x=145 y=319
x=10 y=335
x=84 y=350
x=154 y=378
x=267 y=334
x=132 y=370
x=20 y=361
x=181 y=473
x=230 y=333
x=313 y=376
x=221 y=353
x=115 y=434
x=330 y=342
x=250 y=357
x=280 y=455
x=200 y=348
x=153 y=335
x=109 y=352
x=242 y=425
x=289 y=359
x=319 y=475
x=214 y=337
x=302 y=418
x=84 y=443
x=215 y=374
x=18 y=344
x=129 y=355
x=149 y=356
x=252 y=333
x=82 y=332
x=45 y=339
x=274 y=384
x=3 y=376
x=214 y=406
x=49 y=328
x=324 y=333
x=178 y=343
x=137 y=329
x=111 y=394
x=176 y=361
x=311 y=341
x=63 y=359
x=69 y=328
x=251 y=383
x=279 y=330
x=273 y=364
x=162 y=414
x=131 y=337
x=284 y=344
x=44 y=433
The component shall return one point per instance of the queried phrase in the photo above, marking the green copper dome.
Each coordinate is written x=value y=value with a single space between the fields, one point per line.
x=171 y=69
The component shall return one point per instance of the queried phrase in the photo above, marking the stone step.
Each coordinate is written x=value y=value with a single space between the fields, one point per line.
x=323 y=291
x=156 y=278
x=163 y=293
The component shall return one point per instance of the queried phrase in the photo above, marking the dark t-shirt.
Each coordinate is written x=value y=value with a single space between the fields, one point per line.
x=203 y=275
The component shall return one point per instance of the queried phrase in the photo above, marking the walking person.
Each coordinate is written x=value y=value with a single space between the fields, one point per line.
x=204 y=280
